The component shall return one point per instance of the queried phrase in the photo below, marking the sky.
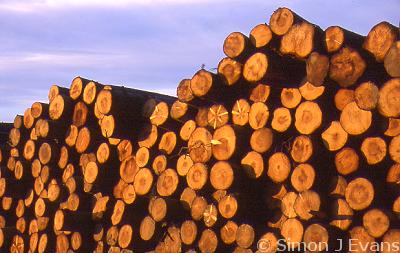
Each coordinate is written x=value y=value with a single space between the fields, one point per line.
x=145 y=44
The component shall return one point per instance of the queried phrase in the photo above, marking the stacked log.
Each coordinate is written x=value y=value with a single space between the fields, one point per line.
x=293 y=141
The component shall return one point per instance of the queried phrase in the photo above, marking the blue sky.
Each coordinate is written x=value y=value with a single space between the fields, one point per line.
x=139 y=43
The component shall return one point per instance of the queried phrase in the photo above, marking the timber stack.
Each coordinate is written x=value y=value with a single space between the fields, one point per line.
x=295 y=140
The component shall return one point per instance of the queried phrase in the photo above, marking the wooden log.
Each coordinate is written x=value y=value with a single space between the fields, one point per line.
x=374 y=149
x=282 y=20
x=260 y=35
x=308 y=117
x=359 y=193
x=346 y=161
x=391 y=61
x=57 y=90
x=237 y=45
x=388 y=106
x=380 y=38
x=301 y=46
x=336 y=37
x=317 y=68
x=346 y=67
x=344 y=97
x=354 y=120
x=39 y=110
x=60 y=108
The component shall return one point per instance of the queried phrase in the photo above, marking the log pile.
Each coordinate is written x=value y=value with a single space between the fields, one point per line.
x=294 y=139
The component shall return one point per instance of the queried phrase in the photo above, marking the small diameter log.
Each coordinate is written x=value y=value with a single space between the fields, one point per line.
x=336 y=37
x=258 y=115
x=292 y=231
x=260 y=93
x=388 y=104
x=260 y=35
x=282 y=20
x=147 y=228
x=390 y=238
x=253 y=164
x=60 y=108
x=236 y=45
x=245 y=236
x=290 y=97
x=71 y=135
x=308 y=117
x=57 y=90
x=203 y=82
x=208 y=241
x=278 y=167
x=199 y=205
x=317 y=67
x=346 y=67
x=366 y=96
x=188 y=232
x=202 y=117
x=210 y=215
x=344 y=97
x=228 y=232
x=374 y=149
x=77 y=86
x=392 y=61
x=29 y=120
x=354 y=120
x=376 y=223
x=39 y=110
x=346 y=161
x=334 y=137
x=303 y=177
x=240 y=112
x=90 y=92
x=316 y=238
x=394 y=150
x=360 y=193
x=224 y=143
x=197 y=176
x=184 y=91
x=143 y=181
x=255 y=67
x=287 y=205
x=310 y=92
x=167 y=182
x=187 y=197
x=300 y=46
x=261 y=140
x=221 y=175
x=281 y=119
x=217 y=116
x=301 y=149
x=80 y=115
x=307 y=204
x=343 y=215
x=128 y=169
x=230 y=70
x=168 y=142
x=393 y=127
x=199 y=144
x=359 y=234
x=380 y=39
x=125 y=236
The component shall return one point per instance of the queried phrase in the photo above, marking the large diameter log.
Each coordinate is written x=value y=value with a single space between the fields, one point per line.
x=392 y=61
x=380 y=39
x=346 y=67
x=301 y=46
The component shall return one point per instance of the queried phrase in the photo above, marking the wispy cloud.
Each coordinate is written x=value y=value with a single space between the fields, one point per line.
x=145 y=44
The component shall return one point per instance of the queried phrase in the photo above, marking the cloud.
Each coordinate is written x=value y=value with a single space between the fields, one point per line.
x=39 y=5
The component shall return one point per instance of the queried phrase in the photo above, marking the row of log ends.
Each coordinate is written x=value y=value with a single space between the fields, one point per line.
x=293 y=141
